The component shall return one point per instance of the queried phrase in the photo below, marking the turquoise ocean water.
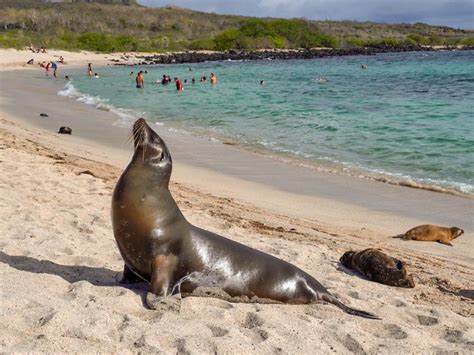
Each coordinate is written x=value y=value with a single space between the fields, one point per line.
x=407 y=117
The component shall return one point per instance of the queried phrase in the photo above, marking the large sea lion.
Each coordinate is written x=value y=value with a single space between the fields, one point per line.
x=378 y=267
x=160 y=246
x=432 y=233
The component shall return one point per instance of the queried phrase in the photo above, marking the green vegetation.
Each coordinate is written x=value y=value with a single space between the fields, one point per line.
x=121 y=25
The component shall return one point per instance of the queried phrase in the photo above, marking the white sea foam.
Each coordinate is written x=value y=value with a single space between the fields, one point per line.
x=70 y=91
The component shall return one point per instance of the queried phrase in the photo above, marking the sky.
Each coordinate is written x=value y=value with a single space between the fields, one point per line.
x=453 y=13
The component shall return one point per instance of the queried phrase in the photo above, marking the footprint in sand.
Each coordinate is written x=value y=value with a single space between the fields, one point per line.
x=394 y=331
x=217 y=332
x=252 y=321
x=352 y=345
x=453 y=335
x=427 y=320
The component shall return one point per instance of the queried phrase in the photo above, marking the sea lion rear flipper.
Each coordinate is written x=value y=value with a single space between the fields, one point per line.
x=401 y=236
x=445 y=242
x=356 y=312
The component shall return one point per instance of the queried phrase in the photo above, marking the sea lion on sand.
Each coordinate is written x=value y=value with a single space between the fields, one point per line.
x=160 y=246
x=432 y=233
x=378 y=267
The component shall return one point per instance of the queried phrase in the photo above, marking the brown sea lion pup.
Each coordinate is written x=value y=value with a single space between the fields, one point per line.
x=160 y=246
x=432 y=233
x=378 y=267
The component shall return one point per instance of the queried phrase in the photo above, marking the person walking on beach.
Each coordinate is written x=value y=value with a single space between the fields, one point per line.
x=54 y=66
x=140 y=80
x=89 y=69
x=213 y=79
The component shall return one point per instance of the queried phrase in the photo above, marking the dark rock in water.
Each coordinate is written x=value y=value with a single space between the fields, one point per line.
x=44 y=115
x=65 y=130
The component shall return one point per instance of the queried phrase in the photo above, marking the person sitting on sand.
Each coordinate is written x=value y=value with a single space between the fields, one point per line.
x=61 y=59
x=179 y=85
x=43 y=50
x=140 y=80
x=31 y=61
x=213 y=79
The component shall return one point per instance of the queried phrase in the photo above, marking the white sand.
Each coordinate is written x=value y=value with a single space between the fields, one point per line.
x=59 y=264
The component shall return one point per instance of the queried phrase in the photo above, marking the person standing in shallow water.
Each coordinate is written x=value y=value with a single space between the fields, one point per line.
x=140 y=80
x=89 y=69
x=179 y=84
x=213 y=79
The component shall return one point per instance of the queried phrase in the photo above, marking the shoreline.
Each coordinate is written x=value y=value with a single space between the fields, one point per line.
x=197 y=155
x=13 y=59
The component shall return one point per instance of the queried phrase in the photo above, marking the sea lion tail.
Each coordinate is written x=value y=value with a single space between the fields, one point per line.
x=348 y=310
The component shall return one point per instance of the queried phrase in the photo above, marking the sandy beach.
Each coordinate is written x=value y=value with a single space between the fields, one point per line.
x=59 y=263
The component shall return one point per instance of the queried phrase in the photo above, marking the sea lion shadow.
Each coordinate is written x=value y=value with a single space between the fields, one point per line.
x=97 y=276
x=341 y=267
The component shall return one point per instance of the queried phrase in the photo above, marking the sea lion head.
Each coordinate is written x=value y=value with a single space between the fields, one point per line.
x=346 y=259
x=151 y=153
x=456 y=232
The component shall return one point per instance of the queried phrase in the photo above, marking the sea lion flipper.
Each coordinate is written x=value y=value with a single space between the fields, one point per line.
x=445 y=242
x=401 y=236
x=162 y=269
x=356 y=312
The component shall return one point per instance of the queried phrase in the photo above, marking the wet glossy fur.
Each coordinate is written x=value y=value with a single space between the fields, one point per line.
x=160 y=246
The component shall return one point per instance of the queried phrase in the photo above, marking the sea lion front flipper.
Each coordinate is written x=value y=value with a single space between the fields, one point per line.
x=445 y=242
x=162 y=269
